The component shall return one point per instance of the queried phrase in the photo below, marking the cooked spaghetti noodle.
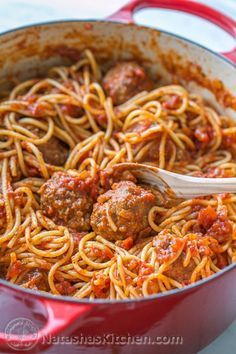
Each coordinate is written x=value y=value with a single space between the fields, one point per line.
x=61 y=135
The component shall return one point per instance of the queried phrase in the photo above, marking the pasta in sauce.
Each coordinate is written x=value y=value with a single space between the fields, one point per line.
x=69 y=225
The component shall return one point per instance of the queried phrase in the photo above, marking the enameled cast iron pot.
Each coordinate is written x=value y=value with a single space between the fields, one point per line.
x=198 y=313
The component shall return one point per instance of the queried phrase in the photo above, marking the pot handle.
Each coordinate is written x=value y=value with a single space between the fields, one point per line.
x=59 y=317
x=125 y=14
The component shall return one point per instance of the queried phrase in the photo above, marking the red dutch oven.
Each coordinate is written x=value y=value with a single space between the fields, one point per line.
x=179 y=321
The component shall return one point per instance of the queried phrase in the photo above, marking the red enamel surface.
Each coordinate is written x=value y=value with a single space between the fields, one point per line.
x=198 y=314
x=125 y=14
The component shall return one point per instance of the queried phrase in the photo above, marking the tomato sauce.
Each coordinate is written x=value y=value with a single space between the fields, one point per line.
x=172 y=103
x=65 y=288
x=216 y=225
x=14 y=269
x=100 y=285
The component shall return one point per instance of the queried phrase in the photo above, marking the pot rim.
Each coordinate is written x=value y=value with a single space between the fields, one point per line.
x=70 y=299
x=55 y=22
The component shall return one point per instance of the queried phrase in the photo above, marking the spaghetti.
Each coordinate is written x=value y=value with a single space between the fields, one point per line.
x=61 y=135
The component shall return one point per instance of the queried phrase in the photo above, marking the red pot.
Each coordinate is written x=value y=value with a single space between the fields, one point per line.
x=179 y=321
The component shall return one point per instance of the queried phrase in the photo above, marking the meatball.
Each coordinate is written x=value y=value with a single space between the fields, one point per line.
x=178 y=272
x=68 y=200
x=123 y=211
x=54 y=151
x=125 y=80
x=167 y=247
x=36 y=279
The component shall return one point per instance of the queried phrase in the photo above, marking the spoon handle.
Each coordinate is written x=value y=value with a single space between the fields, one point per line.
x=192 y=187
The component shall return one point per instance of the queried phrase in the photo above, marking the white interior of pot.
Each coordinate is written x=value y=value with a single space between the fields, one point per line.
x=29 y=52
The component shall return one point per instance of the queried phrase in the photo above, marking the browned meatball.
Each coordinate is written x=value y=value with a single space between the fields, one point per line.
x=125 y=80
x=123 y=211
x=36 y=279
x=167 y=247
x=54 y=151
x=178 y=272
x=68 y=200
